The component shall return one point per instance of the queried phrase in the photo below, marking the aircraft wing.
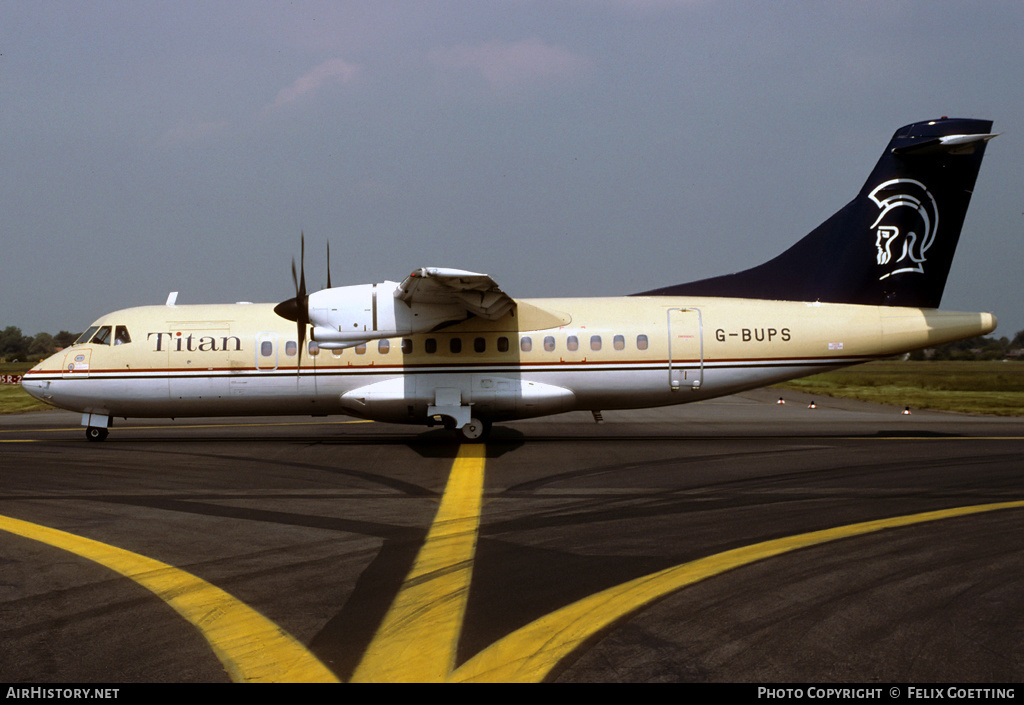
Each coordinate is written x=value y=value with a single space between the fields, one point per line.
x=477 y=293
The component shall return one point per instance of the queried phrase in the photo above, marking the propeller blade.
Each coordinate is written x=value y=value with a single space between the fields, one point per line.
x=302 y=264
x=301 y=295
x=328 y=264
x=297 y=309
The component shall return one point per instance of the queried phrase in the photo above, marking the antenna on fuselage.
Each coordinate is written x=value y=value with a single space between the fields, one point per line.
x=171 y=298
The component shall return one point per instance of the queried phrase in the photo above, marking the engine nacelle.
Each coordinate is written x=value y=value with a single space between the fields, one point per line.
x=349 y=315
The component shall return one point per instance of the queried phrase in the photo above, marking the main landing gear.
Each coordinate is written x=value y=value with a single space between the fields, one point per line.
x=96 y=433
x=476 y=431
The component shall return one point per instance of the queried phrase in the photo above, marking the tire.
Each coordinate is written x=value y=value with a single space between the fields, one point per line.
x=476 y=431
x=96 y=433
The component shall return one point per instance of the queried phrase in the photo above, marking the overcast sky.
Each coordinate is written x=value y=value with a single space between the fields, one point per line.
x=577 y=148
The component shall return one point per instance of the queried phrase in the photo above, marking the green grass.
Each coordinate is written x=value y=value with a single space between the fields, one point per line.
x=13 y=399
x=995 y=388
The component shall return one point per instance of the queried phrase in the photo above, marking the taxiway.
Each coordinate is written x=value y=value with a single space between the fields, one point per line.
x=709 y=542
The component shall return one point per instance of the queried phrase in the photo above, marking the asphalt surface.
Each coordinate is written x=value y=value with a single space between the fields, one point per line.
x=320 y=526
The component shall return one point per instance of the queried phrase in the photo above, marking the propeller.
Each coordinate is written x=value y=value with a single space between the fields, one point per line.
x=328 y=264
x=297 y=309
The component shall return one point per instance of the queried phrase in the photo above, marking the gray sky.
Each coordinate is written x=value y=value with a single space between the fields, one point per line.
x=578 y=148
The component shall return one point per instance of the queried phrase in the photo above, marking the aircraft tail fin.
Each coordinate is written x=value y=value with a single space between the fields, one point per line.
x=893 y=244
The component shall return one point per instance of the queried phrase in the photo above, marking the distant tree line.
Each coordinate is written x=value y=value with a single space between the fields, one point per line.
x=980 y=348
x=17 y=347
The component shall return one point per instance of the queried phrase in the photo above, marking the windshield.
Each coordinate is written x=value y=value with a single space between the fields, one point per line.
x=84 y=337
x=102 y=337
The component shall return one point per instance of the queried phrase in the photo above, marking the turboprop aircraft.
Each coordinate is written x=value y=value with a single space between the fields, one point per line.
x=449 y=347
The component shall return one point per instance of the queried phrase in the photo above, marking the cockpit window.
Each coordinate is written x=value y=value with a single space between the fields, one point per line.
x=84 y=337
x=102 y=336
x=121 y=336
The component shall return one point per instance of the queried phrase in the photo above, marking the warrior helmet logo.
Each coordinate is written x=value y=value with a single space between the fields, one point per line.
x=905 y=227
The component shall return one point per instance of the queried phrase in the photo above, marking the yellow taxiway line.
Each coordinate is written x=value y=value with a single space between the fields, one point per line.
x=179 y=427
x=418 y=638
x=529 y=654
x=252 y=648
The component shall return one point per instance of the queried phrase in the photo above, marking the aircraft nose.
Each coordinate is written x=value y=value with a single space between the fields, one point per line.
x=34 y=388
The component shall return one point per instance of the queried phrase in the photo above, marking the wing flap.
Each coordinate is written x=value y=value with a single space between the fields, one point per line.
x=477 y=293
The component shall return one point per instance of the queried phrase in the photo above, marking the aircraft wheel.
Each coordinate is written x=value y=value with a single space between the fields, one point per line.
x=96 y=433
x=476 y=431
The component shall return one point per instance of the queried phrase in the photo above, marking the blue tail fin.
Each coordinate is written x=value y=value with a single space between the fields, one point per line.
x=893 y=244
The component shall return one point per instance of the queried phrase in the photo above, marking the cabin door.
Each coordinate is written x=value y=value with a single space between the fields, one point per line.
x=685 y=349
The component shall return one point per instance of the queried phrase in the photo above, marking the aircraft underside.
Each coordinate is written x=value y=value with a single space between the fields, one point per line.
x=426 y=398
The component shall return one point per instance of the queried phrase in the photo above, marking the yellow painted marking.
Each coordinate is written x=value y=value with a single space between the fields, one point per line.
x=243 y=425
x=418 y=638
x=528 y=654
x=252 y=648
x=174 y=427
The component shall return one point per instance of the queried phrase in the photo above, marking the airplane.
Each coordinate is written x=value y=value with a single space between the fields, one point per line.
x=449 y=347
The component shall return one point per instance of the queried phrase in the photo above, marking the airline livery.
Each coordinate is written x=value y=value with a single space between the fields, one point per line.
x=449 y=347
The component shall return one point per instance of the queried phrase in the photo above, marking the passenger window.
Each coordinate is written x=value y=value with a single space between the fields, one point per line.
x=526 y=344
x=455 y=345
x=406 y=346
x=549 y=343
x=84 y=337
x=384 y=346
x=595 y=342
x=102 y=337
x=572 y=343
x=503 y=344
x=121 y=336
x=290 y=348
x=430 y=346
x=619 y=342
x=361 y=349
x=479 y=345
x=266 y=348
x=641 y=342
x=313 y=348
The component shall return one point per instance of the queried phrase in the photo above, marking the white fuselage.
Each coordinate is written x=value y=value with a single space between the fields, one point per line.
x=544 y=356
